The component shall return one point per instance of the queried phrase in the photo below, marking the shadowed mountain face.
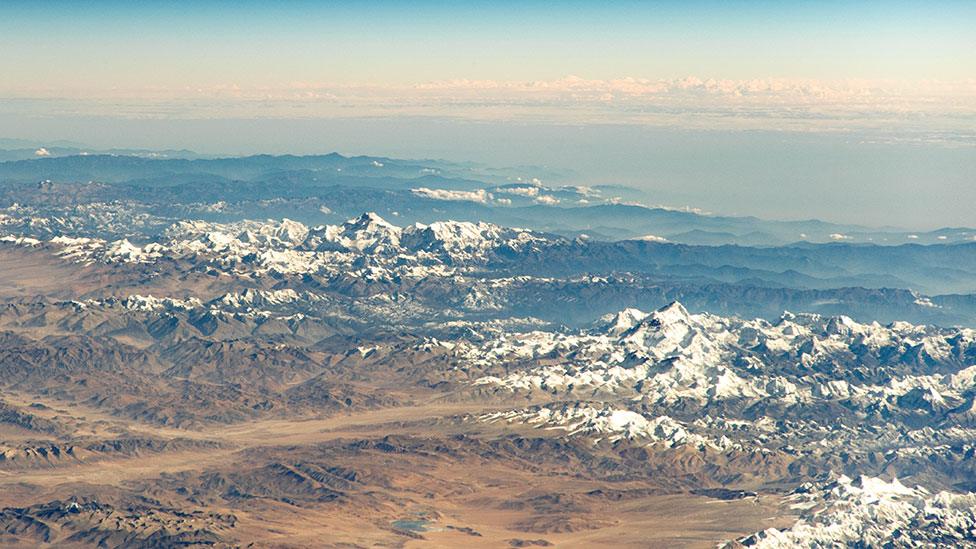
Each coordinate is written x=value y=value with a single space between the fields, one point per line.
x=217 y=352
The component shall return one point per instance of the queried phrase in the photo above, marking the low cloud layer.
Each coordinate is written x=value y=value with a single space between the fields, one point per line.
x=939 y=110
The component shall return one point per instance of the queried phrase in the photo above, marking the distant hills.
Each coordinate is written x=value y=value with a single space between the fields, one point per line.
x=421 y=191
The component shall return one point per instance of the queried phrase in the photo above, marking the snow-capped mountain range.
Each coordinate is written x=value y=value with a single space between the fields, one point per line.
x=367 y=249
x=367 y=246
x=670 y=355
x=862 y=398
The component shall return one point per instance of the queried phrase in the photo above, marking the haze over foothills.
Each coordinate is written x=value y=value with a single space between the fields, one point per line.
x=845 y=111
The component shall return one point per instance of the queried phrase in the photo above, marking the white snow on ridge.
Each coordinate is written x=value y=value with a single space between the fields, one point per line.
x=870 y=512
x=249 y=302
x=609 y=423
x=20 y=240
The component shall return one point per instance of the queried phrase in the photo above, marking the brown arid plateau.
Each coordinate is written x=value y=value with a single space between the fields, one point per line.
x=74 y=475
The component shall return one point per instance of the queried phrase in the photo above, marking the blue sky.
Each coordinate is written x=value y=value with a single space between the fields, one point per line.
x=131 y=44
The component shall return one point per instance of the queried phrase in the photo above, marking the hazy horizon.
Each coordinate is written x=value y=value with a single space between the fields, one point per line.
x=841 y=178
x=848 y=112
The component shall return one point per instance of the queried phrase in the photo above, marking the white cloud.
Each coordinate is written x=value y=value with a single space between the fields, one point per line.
x=650 y=238
x=547 y=200
x=838 y=236
x=520 y=191
x=480 y=196
x=583 y=190
x=42 y=152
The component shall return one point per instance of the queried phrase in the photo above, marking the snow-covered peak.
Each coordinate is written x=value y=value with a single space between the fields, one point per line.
x=671 y=332
x=672 y=312
x=366 y=233
x=368 y=221
x=125 y=251
x=616 y=324
x=291 y=231
x=451 y=236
